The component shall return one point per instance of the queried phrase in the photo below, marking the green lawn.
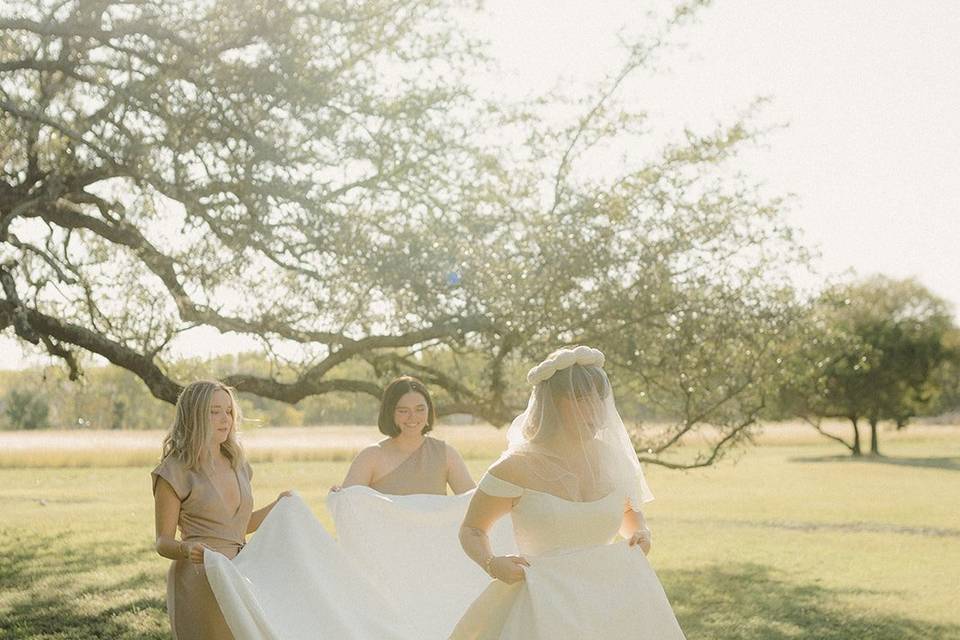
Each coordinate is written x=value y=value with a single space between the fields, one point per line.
x=791 y=541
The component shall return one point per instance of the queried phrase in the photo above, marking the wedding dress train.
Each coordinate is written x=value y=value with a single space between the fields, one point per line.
x=396 y=573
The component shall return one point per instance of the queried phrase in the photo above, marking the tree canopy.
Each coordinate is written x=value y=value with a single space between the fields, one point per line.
x=321 y=176
x=874 y=350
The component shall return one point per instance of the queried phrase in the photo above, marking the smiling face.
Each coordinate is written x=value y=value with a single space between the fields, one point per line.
x=406 y=407
x=221 y=416
x=410 y=414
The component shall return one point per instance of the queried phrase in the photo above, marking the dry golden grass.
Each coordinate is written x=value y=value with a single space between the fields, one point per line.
x=78 y=448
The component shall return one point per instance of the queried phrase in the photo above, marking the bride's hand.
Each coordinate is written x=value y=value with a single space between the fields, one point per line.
x=285 y=494
x=642 y=538
x=508 y=569
x=335 y=488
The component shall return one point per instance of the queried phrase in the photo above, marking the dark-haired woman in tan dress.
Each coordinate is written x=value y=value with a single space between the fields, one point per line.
x=202 y=487
x=408 y=461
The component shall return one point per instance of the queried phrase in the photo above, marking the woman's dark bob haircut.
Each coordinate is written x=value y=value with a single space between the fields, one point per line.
x=391 y=396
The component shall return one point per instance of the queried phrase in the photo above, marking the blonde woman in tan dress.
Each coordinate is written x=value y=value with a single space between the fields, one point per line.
x=408 y=461
x=202 y=487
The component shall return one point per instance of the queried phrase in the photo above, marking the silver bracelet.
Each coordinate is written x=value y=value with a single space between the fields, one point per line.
x=486 y=565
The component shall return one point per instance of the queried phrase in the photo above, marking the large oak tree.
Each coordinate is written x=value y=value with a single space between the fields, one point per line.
x=322 y=176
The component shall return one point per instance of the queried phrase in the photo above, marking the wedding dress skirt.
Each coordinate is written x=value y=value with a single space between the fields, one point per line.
x=409 y=548
x=606 y=592
x=397 y=572
x=578 y=586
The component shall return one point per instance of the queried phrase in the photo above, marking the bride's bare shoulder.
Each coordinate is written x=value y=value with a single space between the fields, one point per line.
x=510 y=468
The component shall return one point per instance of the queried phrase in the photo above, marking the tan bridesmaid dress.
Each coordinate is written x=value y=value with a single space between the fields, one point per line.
x=424 y=471
x=206 y=518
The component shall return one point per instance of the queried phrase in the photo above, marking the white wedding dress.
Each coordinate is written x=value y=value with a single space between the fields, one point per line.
x=578 y=585
x=409 y=548
x=396 y=572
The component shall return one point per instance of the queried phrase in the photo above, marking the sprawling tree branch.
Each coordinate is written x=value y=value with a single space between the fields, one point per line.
x=248 y=167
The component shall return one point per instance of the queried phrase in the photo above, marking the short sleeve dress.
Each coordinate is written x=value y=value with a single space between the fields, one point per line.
x=204 y=517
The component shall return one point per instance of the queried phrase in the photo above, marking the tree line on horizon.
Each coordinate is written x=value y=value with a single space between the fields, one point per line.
x=875 y=350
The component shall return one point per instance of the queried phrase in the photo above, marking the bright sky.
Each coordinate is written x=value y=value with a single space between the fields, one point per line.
x=869 y=90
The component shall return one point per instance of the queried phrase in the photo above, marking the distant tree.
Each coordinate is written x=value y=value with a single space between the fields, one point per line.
x=873 y=351
x=945 y=384
x=119 y=414
x=26 y=409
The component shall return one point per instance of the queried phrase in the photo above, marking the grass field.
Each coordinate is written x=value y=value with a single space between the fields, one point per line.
x=793 y=540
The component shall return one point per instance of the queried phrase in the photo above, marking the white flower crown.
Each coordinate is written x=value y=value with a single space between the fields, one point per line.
x=584 y=356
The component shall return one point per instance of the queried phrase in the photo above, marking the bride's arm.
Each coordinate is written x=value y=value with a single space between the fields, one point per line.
x=483 y=511
x=634 y=528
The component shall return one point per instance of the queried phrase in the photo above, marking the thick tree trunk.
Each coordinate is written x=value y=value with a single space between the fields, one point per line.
x=874 y=442
x=856 y=438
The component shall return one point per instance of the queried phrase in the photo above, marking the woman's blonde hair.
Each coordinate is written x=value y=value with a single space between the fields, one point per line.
x=191 y=428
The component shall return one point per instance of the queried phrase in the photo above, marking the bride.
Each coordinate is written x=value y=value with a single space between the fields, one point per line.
x=571 y=481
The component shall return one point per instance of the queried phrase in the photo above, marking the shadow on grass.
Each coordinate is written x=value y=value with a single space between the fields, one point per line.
x=106 y=594
x=949 y=463
x=32 y=558
x=748 y=602
x=54 y=588
x=59 y=617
